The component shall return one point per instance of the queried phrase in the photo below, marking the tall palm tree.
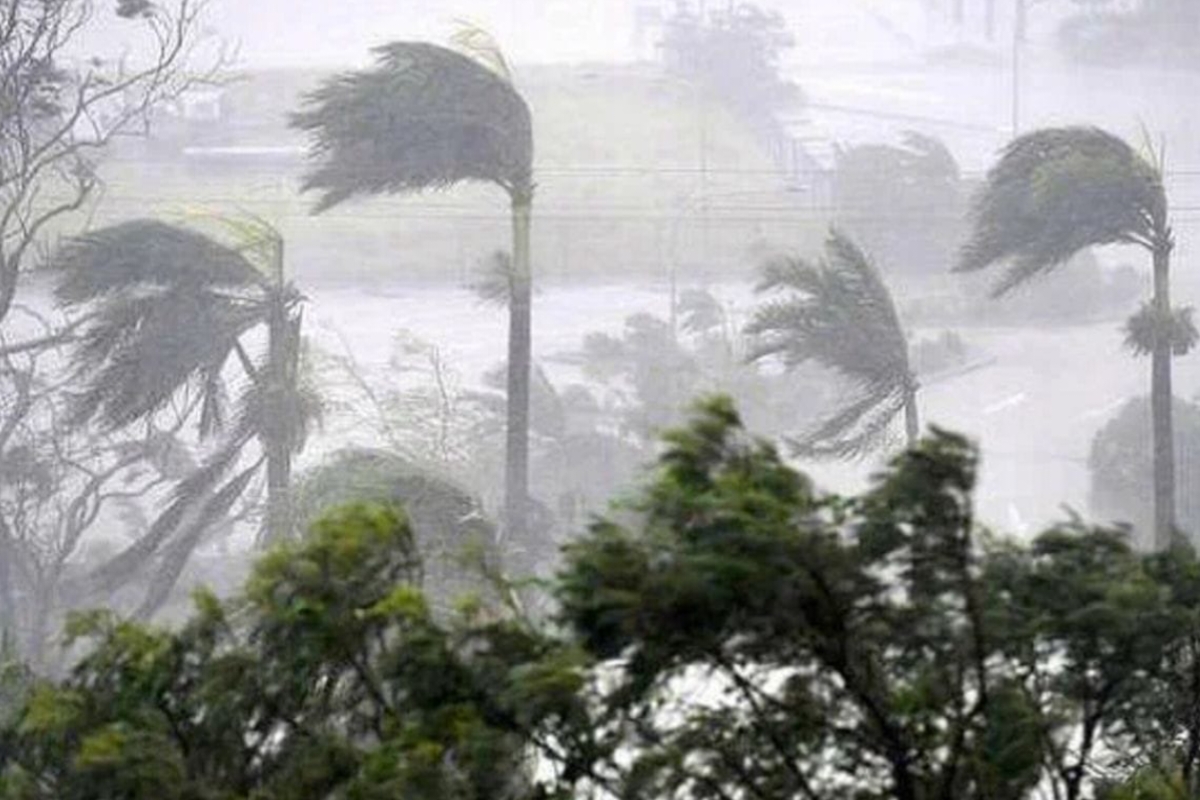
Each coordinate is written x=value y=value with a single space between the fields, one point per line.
x=427 y=117
x=169 y=311
x=838 y=312
x=1056 y=191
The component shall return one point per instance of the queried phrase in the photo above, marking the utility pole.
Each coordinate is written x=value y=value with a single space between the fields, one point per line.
x=1020 y=13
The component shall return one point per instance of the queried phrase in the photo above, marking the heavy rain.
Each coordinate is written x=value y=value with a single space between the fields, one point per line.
x=599 y=399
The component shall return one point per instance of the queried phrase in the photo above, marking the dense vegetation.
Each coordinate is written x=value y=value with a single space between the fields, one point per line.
x=733 y=632
x=724 y=630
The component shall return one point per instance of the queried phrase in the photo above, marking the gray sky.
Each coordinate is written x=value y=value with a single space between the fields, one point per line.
x=322 y=32
x=339 y=32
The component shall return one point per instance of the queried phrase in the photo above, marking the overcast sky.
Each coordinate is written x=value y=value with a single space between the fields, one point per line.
x=338 y=32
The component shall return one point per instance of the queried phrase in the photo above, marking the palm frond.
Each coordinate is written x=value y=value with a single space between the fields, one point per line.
x=424 y=117
x=837 y=313
x=858 y=429
x=494 y=286
x=1056 y=191
x=1145 y=329
x=145 y=253
x=175 y=557
x=138 y=351
x=185 y=501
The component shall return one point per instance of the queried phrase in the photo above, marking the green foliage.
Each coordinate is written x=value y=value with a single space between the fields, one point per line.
x=759 y=639
x=730 y=633
x=327 y=678
x=449 y=528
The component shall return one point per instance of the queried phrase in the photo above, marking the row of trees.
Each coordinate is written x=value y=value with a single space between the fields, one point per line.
x=737 y=635
x=1052 y=194
x=163 y=319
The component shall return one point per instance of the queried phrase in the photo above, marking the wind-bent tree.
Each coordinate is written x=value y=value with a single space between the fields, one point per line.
x=59 y=111
x=838 y=313
x=1056 y=191
x=170 y=309
x=426 y=117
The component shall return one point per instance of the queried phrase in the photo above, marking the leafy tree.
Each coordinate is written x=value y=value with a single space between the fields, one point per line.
x=169 y=310
x=843 y=641
x=327 y=678
x=758 y=639
x=426 y=117
x=839 y=313
x=1057 y=191
x=450 y=532
x=729 y=633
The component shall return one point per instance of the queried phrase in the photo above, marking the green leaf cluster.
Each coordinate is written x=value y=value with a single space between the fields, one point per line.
x=730 y=633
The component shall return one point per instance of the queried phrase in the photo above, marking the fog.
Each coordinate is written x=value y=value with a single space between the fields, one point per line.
x=667 y=171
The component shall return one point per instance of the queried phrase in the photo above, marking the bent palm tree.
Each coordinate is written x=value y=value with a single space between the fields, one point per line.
x=169 y=310
x=426 y=117
x=1056 y=191
x=838 y=313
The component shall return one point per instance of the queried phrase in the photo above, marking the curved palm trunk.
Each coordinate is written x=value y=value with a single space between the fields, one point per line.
x=520 y=356
x=912 y=419
x=1160 y=404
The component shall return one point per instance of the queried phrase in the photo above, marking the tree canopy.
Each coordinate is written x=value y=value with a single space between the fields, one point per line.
x=731 y=632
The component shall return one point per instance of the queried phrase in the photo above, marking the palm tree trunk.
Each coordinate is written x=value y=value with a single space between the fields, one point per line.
x=280 y=387
x=520 y=356
x=1160 y=403
x=912 y=419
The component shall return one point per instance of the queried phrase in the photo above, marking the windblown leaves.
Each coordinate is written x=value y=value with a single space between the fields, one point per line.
x=837 y=312
x=1056 y=191
x=424 y=117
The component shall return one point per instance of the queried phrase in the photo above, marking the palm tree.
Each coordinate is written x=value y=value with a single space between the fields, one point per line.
x=1056 y=191
x=169 y=310
x=838 y=313
x=426 y=117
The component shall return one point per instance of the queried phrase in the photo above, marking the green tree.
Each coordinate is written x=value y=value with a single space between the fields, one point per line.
x=730 y=633
x=328 y=677
x=426 y=117
x=1056 y=191
x=450 y=532
x=169 y=310
x=842 y=643
x=839 y=313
